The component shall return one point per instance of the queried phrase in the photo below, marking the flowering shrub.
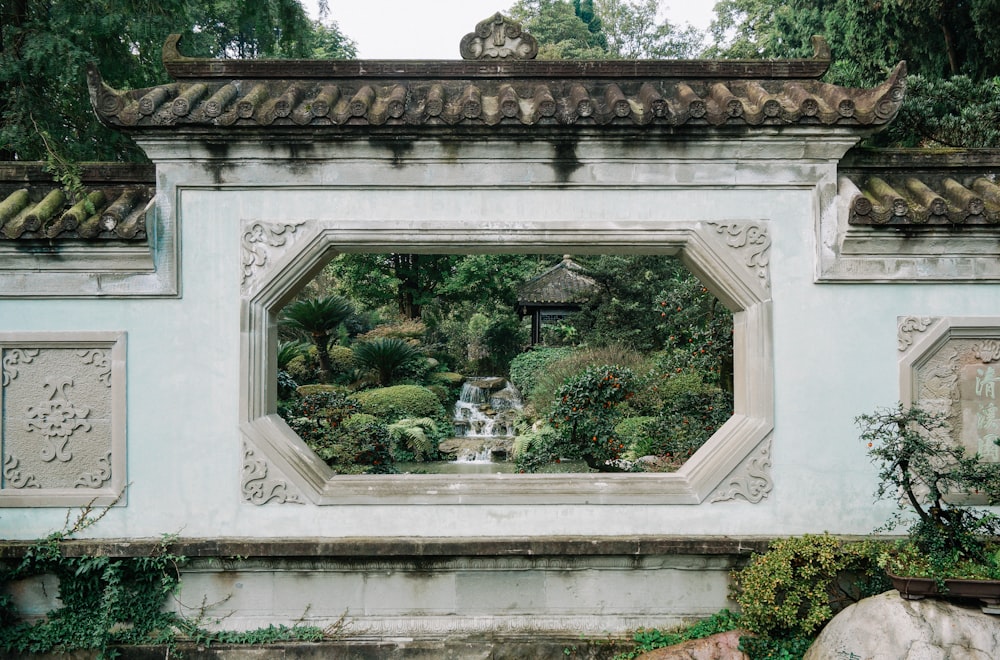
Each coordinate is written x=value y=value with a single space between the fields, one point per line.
x=586 y=412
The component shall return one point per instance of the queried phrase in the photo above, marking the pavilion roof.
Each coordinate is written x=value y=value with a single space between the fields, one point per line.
x=566 y=283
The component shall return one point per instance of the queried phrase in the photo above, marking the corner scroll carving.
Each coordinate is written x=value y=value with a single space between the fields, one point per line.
x=257 y=488
x=907 y=326
x=96 y=479
x=257 y=238
x=101 y=361
x=498 y=37
x=14 y=477
x=752 y=239
x=751 y=480
x=15 y=357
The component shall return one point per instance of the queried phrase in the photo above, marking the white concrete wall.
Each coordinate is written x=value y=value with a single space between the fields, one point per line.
x=835 y=352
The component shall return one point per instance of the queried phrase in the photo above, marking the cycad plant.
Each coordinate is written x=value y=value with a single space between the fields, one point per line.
x=385 y=356
x=318 y=318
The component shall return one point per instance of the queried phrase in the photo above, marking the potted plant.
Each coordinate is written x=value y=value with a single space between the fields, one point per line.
x=951 y=547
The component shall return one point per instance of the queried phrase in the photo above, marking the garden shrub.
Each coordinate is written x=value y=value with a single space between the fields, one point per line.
x=286 y=385
x=585 y=414
x=534 y=449
x=317 y=388
x=356 y=421
x=341 y=359
x=410 y=330
x=638 y=434
x=687 y=421
x=366 y=449
x=394 y=403
x=444 y=394
x=526 y=367
x=794 y=588
x=304 y=367
x=550 y=380
x=449 y=378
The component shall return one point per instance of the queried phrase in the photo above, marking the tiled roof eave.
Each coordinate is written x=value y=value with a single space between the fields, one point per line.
x=924 y=188
x=494 y=105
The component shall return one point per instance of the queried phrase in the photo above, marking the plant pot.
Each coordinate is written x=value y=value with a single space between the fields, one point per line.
x=915 y=588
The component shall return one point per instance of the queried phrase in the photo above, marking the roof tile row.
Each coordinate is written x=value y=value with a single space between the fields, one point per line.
x=32 y=208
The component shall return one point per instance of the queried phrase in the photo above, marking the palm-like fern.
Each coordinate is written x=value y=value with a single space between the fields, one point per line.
x=385 y=356
x=318 y=318
x=288 y=351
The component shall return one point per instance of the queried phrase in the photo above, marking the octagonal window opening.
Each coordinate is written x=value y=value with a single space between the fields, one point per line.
x=407 y=363
x=271 y=425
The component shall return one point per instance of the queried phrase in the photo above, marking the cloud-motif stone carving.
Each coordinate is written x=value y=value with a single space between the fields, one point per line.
x=11 y=359
x=753 y=241
x=14 y=477
x=751 y=480
x=907 y=325
x=98 y=478
x=258 y=238
x=100 y=360
x=257 y=488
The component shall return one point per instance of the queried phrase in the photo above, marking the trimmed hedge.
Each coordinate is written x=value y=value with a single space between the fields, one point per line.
x=391 y=404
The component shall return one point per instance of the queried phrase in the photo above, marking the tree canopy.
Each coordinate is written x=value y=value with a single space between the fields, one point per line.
x=604 y=29
x=949 y=47
x=45 y=47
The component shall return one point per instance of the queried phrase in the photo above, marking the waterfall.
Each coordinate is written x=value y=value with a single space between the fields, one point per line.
x=487 y=408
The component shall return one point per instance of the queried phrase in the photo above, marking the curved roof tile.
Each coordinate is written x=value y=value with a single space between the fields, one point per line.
x=112 y=205
x=340 y=96
x=907 y=188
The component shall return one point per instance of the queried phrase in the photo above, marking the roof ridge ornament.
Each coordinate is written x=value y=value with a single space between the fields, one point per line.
x=498 y=37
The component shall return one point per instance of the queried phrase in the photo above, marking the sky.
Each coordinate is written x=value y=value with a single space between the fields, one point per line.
x=403 y=29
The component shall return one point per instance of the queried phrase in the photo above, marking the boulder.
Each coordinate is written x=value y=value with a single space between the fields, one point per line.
x=722 y=646
x=888 y=626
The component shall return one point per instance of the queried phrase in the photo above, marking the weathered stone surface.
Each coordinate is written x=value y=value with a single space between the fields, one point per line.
x=724 y=646
x=888 y=626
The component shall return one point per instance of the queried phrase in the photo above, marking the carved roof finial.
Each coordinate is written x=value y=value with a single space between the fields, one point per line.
x=498 y=37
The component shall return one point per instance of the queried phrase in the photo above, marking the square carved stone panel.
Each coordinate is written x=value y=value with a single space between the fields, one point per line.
x=62 y=418
x=951 y=366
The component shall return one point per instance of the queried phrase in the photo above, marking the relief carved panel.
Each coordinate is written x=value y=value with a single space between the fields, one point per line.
x=62 y=418
x=955 y=371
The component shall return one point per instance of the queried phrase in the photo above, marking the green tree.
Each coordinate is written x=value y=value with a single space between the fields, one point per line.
x=940 y=41
x=562 y=34
x=45 y=47
x=601 y=29
x=938 y=38
x=633 y=30
x=317 y=318
x=409 y=281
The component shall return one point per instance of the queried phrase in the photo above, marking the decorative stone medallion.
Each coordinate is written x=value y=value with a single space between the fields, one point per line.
x=953 y=367
x=62 y=418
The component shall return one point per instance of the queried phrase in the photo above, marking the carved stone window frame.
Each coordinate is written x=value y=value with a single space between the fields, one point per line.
x=730 y=259
x=113 y=346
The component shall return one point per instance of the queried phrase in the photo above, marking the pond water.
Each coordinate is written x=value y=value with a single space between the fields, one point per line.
x=482 y=467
